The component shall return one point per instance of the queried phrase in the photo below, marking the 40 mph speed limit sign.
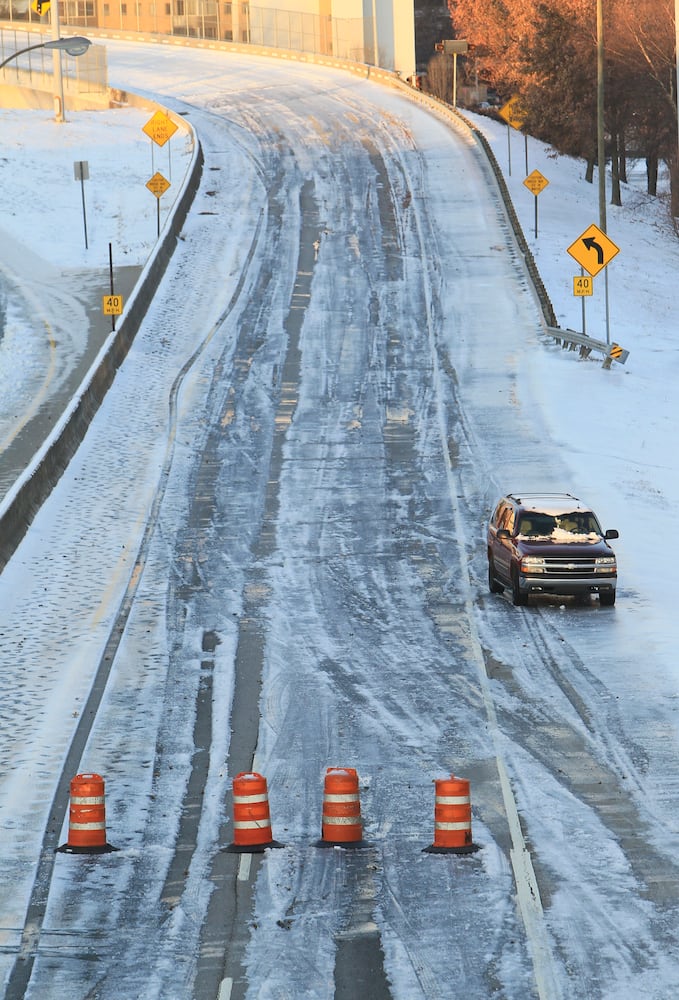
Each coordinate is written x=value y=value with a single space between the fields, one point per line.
x=112 y=305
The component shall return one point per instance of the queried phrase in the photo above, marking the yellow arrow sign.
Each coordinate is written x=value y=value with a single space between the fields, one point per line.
x=593 y=250
x=160 y=128
x=41 y=7
x=536 y=182
x=513 y=113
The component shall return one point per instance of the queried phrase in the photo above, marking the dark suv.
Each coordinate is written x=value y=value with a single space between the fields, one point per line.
x=549 y=543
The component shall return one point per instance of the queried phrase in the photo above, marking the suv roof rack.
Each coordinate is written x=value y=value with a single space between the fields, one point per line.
x=531 y=496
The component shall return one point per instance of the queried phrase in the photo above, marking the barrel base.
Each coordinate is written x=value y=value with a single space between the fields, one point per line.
x=349 y=844
x=98 y=849
x=466 y=849
x=251 y=848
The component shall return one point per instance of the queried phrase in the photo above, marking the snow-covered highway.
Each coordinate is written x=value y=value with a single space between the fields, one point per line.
x=279 y=510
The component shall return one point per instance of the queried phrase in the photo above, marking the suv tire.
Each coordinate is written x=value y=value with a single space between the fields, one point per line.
x=519 y=597
x=493 y=586
x=607 y=598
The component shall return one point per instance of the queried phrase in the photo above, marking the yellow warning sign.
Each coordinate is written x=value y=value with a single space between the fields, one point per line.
x=593 y=250
x=583 y=284
x=513 y=112
x=160 y=128
x=536 y=182
x=158 y=185
x=112 y=305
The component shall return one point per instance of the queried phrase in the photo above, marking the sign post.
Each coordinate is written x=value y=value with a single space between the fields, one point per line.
x=455 y=47
x=158 y=185
x=582 y=287
x=81 y=172
x=515 y=116
x=159 y=128
x=594 y=250
x=536 y=182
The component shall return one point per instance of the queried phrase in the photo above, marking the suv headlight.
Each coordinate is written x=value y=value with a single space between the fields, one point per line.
x=605 y=564
x=533 y=564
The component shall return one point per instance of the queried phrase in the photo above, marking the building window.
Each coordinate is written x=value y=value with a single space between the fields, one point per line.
x=168 y=9
x=180 y=8
x=227 y=9
x=107 y=9
x=123 y=9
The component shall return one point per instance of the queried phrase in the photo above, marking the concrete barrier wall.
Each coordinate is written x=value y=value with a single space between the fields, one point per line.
x=26 y=497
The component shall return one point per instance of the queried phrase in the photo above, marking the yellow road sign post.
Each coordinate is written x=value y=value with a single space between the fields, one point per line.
x=593 y=250
x=536 y=183
x=158 y=185
x=159 y=128
x=112 y=305
x=515 y=116
x=583 y=284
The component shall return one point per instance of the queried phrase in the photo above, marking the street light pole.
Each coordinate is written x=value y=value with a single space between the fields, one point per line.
x=676 y=96
x=601 y=147
x=75 y=46
x=56 y=57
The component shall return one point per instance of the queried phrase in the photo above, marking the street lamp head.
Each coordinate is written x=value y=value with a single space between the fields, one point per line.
x=76 y=46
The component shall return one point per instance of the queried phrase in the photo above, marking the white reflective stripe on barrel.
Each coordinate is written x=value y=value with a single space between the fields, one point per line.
x=87 y=826
x=251 y=824
x=452 y=826
x=452 y=800
x=87 y=800
x=351 y=797
x=243 y=800
x=342 y=820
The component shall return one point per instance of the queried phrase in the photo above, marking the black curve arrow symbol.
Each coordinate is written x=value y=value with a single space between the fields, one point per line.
x=592 y=244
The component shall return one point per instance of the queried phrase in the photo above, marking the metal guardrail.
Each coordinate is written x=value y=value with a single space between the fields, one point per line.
x=571 y=340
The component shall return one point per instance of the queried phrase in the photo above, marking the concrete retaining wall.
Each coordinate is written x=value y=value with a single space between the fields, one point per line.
x=24 y=500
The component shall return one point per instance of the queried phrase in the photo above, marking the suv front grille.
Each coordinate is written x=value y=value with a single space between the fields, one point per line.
x=569 y=567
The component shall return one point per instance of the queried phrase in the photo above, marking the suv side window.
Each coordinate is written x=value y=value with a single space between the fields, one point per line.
x=507 y=519
x=497 y=514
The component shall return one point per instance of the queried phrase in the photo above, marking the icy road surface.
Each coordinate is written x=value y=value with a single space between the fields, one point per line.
x=287 y=484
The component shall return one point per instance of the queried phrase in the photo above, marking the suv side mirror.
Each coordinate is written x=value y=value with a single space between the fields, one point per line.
x=503 y=533
x=611 y=533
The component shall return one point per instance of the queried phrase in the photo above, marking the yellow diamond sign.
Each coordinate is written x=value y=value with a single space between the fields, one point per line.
x=593 y=250
x=158 y=185
x=160 y=128
x=513 y=112
x=536 y=182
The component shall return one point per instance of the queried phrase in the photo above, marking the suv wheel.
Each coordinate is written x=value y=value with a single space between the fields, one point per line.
x=519 y=597
x=493 y=586
x=607 y=598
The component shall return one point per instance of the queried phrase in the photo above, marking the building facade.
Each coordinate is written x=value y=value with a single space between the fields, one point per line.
x=377 y=32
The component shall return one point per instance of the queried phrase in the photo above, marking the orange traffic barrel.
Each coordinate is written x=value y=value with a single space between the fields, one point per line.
x=251 y=818
x=341 y=822
x=87 y=817
x=452 y=818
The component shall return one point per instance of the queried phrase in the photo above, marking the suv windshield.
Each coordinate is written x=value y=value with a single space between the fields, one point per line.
x=575 y=523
